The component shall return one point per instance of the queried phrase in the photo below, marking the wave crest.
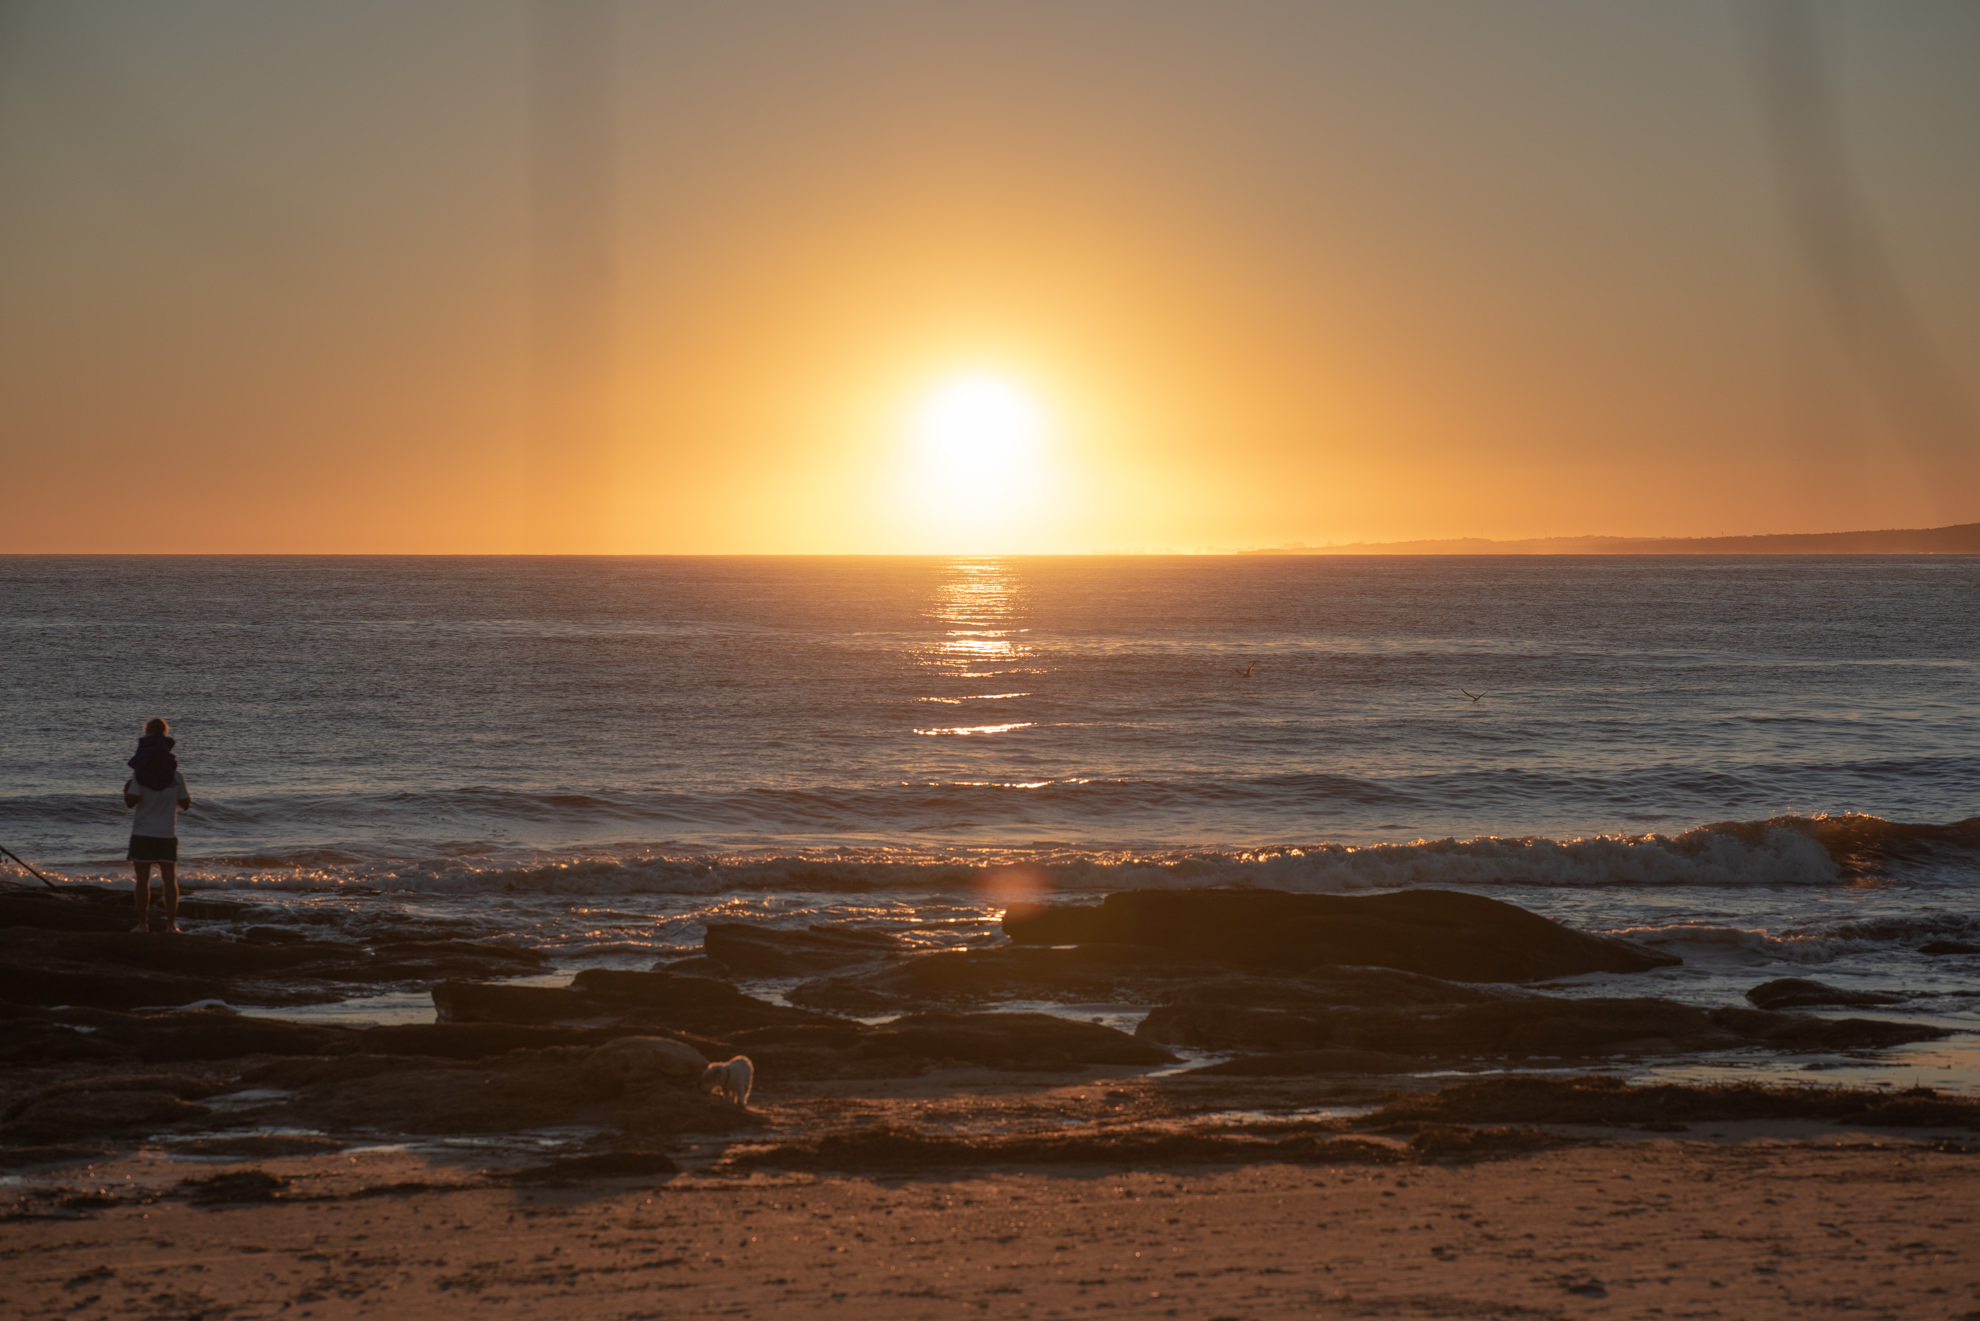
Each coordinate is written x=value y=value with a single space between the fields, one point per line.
x=1783 y=851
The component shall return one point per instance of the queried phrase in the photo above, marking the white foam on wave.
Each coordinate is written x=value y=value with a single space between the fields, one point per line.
x=1742 y=856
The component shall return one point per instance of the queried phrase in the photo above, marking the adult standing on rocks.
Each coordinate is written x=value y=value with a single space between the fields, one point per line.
x=158 y=791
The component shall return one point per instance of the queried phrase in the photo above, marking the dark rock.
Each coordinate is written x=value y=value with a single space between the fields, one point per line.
x=1272 y=1017
x=479 y=1002
x=30 y=1035
x=64 y=1153
x=893 y=1147
x=692 y=965
x=265 y=935
x=215 y=1034
x=202 y=909
x=131 y=970
x=1595 y=1099
x=784 y=1044
x=1311 y=1063
x=524 y=1089
x=1805 y=1032
x=689 y=1004
x=1010 y=1041
x=259 y=1146
x=1459 y=937
x=71 y=908
x=419 y=961
x=597 y=1165
x=106 y=1106
x=602 y=996
x=1121 y=974
x=1949 y=947
x=631 y=1065
x=110 y=970
x=474 y=1041
x=235 y=1186
x=760 y=951
x=1800 y=993
x=198 y=1034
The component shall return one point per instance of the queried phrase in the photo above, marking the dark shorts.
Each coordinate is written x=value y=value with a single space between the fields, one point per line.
x=152 y=848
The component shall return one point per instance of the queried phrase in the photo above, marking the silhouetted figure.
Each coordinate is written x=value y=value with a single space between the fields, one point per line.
x=158 y=791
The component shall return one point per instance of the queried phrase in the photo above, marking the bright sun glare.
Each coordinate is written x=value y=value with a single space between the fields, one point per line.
x=978 y=439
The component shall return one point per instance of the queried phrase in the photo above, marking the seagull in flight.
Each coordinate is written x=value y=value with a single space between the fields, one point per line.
x=1244 y=673
x=1473 y=696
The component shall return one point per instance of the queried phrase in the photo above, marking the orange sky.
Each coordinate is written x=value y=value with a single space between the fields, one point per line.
x=1271 y=272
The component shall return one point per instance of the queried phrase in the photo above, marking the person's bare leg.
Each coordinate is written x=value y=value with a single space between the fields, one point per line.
x=168 y=881
x=141 y=872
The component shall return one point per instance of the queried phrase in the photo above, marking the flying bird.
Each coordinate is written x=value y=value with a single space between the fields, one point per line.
x=1244 y=673
x=1473 y=696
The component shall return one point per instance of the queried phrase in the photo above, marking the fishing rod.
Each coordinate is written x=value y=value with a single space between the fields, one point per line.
x=17 y=858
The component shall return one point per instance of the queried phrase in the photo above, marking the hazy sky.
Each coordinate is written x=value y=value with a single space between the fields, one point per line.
x=682 y=277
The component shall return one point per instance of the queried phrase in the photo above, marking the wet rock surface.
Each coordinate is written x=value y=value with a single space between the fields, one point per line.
x=1441 y=933
x=1271 y=1017
x=1801 y=993
x=1043 y=1042
x=1312 y=1063
x=1597 y=1099
x=53 y=910
x=1127 y=974
x=116 y=1106
x=131 y=969
x=759 y=951
x=602 y=996
x=526 y=1089
x=1323 y=996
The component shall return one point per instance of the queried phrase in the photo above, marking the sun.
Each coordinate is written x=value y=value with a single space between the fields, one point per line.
x=978 y=440
x=979 y=426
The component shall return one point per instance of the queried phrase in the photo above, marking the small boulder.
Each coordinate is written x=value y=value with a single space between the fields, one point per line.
x=692 y=965
x=685 y=1004
x=1010 y=1041
x=73 y=908
x=1274 y=1017
x=1949 y=947
x=106 y=1106
x=632 y=1063
x=1800 y=993
x=1120 y=974
x=760 y=951
x=599 y=996
x=485 y=1002
x=1310 y=1064
x=1442 y=933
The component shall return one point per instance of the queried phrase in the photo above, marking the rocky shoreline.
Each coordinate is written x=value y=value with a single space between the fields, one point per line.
x=1308 y=1001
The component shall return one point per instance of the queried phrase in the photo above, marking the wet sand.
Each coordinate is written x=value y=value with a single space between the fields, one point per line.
x=1763 y=1221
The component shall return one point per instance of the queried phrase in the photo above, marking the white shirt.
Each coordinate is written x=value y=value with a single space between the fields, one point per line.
x=157 y=809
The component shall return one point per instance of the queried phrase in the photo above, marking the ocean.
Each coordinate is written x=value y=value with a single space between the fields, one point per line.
x=1768 y=765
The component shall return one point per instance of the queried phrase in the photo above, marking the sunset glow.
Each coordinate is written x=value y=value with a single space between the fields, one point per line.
x=977 y=441
x=982 y=280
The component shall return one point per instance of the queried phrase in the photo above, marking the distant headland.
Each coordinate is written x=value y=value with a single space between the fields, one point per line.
x=1959 y=539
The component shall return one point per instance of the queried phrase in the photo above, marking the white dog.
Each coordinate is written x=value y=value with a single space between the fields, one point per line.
x=731 y=1078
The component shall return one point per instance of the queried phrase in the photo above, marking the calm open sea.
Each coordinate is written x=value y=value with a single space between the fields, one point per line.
x=1770 y=764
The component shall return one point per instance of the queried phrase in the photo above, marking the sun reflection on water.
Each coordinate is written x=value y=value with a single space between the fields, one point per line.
x=978 y=608
x=979 y=605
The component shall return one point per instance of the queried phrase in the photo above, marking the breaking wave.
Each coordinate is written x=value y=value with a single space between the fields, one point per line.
x=1780 y=852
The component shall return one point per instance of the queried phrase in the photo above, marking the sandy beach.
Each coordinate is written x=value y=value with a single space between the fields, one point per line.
x=1758 y=1222
x=553 y=1151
